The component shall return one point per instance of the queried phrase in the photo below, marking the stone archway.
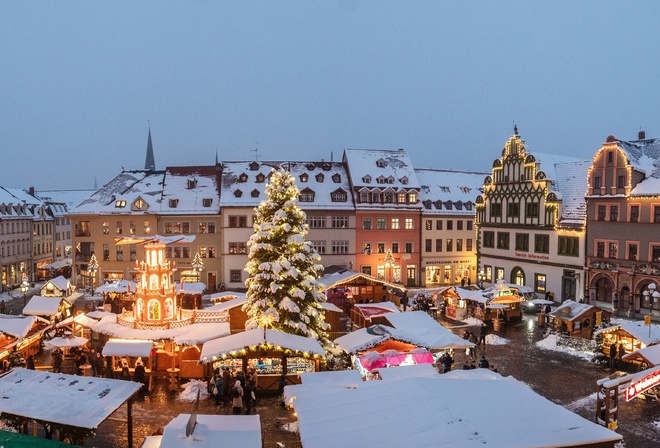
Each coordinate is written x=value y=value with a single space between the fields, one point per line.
x=517 y=276
x=602 y=286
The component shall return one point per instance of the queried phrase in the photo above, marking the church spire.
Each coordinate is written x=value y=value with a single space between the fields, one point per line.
x=150 y=163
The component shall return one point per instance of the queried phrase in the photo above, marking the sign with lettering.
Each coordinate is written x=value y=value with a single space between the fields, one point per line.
x=645 y=383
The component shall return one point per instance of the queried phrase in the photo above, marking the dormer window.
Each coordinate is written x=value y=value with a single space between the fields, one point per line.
x=306 y=195
x=428 y=204
x=120 y=203
x=261 y=178
x=254 y=166
x=206 y=202
x=326 y=167
x=174 y=203
x=192 y=183
x=381 y=179
x=412 y=198
x=380 y=163
x=448 y=205
x=437 y=205
x=310 y=166
x=320 y=177
x=366 y=179
x=458 y=205
x=243 y=177
x=255 y=193
x=390 y=180
x=468 y=206
x=404 y=180
x=339 y=195
x=238 y=193
x=336 y=178
x=139 y=204
x=304 y=177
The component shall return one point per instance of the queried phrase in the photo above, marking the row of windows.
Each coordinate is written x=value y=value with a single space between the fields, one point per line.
x=610 y=249
x=319 y=222
x=620 y=182
x=513 y=209
x=395 y=224
x=611 y=213
x=337 y=247
x=449 y=224
x=367 y=248
x=387 y=197
x=567 y=245
x=448 y=245
x=170 y=252
x=9 y=228
x=9 y=249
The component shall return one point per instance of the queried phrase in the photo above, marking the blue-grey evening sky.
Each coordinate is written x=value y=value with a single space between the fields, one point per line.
x=80 y=81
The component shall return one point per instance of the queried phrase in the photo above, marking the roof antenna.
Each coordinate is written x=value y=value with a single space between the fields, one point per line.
x=256 y=153
x=216 y=155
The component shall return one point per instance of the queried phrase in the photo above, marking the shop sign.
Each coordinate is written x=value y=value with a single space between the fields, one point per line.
x=432 y=262
x=637 y=387
x=531 y=256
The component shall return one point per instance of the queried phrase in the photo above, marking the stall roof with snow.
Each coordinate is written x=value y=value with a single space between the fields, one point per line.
x=190 y=288
x=439 y=408
x=225 y=296
x=127 y=347
x=43 y=306
x=571 y=310
x=336 y=377
x=229 y=345
x=58 y=285
x=19 y=326
x=213 y=431
x=192 y=334
x=409 y=371
x=119 y=287
x=83 y=402
x=649 y=355
x=348 y=277
x=646 y=334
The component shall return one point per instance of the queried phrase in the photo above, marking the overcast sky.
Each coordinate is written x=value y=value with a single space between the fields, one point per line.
x=80 y=81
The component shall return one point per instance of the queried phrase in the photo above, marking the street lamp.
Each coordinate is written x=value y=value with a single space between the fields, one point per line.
x=481 y=276
x=24 y=289
x=197 y=265
x=652 y=292
x=92 y=267
x=389 y=263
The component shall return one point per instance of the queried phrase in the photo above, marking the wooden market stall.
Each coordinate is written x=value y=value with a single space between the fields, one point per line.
x=578 y=319
x=271 y=353
x=633 y=335
x=368 y=314
x=22 y=334
x=118 y=295
x=57 y=287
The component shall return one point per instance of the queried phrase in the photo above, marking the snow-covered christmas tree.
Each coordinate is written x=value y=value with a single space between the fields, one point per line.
x=283 y=289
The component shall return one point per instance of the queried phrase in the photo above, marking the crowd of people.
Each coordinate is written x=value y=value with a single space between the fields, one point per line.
x=237 y=389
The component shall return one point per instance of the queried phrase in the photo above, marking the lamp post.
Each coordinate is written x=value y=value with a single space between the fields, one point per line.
x=197 y=265
x=24 y=289
x=389 y=264
x=652 y=294
x=92 y=267
x=481 y=276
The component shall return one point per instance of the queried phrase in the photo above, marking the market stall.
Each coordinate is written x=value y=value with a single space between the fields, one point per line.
x=117 y=295
x=271 y=353
x=578 y=319
x=368 y=314
x=22 y=334
x=633 y=335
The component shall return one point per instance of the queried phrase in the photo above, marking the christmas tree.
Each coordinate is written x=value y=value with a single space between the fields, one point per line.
x=283 y=289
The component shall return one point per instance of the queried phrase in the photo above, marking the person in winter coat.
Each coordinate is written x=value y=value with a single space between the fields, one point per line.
x=237 y=397
x=139 y=373
x=30 y=362
x=482 y=334
x=58 y=358
x=483 y=363
x=219 y=398
x=99 y=362
x=247 y=396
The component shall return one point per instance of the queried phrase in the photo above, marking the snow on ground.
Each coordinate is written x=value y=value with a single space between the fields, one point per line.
x=550 y=343
x=493 y=339
x=190 y=389
x=473 y=321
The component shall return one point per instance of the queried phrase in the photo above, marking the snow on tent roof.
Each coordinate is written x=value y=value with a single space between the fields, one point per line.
x=80 y=319
x=402 y=372
x=650 y=354
x=249 y=338
x=190 y=288
x=42 y=306
x=439 y=407
x=214 y=431
x=646 y=334
x=192 y=334
x=330 y=307
x=570 y=310
x=130 y=347
x=83 y=402
x=16 y=326
x=418 y=326
x=229 y=304
x=336 y=377
x=121 y=286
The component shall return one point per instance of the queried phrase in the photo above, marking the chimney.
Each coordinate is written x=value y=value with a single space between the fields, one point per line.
x=31 y=191
x=641 y=135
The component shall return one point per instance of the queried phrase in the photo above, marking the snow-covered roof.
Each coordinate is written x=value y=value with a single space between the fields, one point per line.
x=229 y=304
x=192 y=334
x=570 y=310
x=213 y=431
x=650 y=354
x=244 y=183
x=83 y=402
x=16 y=326
x=121 y=286
x=644 y=156
x=69 y=197
x=334 y=377
x=250 y=338
x=346 y=276
x=42 y=306
x=59 y=282
x=80 y=319
x=647 y=334
x=415 y=327
x=441 y=187
x=440 y=409
x=190 y=288
x=374 y=163
x=177 y=190
x=407 y=371
x=226 y=295
x=370 y=310
x=127 y=347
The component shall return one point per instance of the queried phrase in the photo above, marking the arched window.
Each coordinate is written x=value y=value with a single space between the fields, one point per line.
x=625 y=299
x=154 y=310
x=144 y=281
x=517 y=276
x=168 y=311
x=160 y=257
x=153 y=282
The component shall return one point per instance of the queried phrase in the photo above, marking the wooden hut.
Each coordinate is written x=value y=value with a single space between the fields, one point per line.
x=633 y=335
x=578 y=319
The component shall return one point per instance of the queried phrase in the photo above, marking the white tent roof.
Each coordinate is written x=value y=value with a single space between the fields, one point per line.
x=42 y=306
x=80 y=319
x=409 y=371
x=190 y=288
x=131 y=347
x=250 y=338
x=192 y=334
x=122 y=286
x=16 y=326
x=60 y=398
x=456 y=410
x=213 y=431
x=336 y=377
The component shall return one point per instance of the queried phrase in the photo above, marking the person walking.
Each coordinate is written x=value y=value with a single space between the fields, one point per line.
x=99 y=362
x=483 y=363
x=404 y=300
x=237 y=397
x=30 y=362
x=613 y=353
x=139 y=373
x=58 y=358
x=472 y=338
x=248 y=390
x=482 y=334
x=621 y=353
x=218 y=389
